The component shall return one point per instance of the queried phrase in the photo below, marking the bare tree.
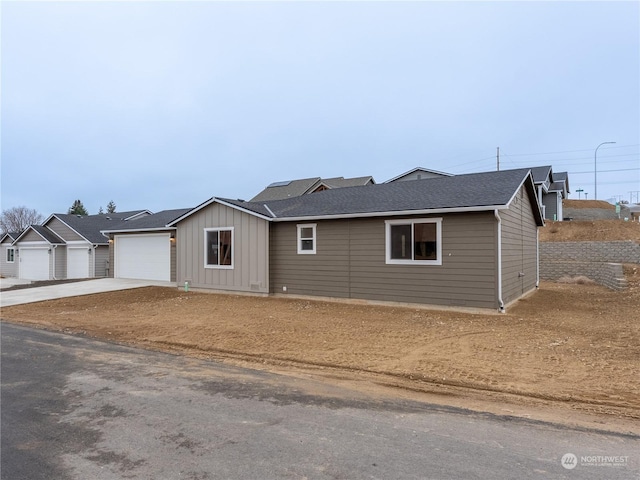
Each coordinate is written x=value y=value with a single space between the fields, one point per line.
x=16 y=219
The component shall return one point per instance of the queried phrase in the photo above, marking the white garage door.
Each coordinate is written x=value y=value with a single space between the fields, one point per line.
x=34 y=263
x=78 y=262
x=146 y=257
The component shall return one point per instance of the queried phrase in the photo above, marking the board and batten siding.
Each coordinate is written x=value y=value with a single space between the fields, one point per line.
x=519 y=247
x=350 y=263
x=250 y=272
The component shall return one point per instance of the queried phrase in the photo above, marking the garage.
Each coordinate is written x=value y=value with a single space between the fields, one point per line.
x=34 y=263
x=143 y=256
x=78 y=259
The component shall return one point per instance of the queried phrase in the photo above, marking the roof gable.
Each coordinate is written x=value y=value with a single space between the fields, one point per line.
x=90 y=227
x=418 y=171
x=42 y=232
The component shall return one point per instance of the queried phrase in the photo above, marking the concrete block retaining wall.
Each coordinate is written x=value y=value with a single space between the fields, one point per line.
x=599 y=261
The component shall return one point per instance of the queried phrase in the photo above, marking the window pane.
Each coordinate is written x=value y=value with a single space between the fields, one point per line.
x=401 y=242
x=306 y=232
x=424 y=241
x=225 y=247
x=212 y=248
x=306 y=244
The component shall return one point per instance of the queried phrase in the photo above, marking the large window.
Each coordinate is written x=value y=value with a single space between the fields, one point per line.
x=218 y=248
x=11 y=252
x=307 y=238
x=416 y=241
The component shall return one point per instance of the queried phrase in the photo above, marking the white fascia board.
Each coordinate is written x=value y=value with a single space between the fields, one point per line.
x=38 y=233
x=534 y=204
x=221 y=202
x=139 y=230
x=434 y=211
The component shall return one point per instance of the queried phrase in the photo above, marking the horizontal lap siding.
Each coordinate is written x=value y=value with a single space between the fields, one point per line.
x=63 y=231
x=102 y=261
x=467 y=276
x=519 y=248
x=324 y=274
x=350 y=262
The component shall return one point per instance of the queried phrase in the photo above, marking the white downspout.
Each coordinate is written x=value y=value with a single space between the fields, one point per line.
x=537 y=257
x=500 y=301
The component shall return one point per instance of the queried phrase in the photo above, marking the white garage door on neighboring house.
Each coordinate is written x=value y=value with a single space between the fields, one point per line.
x=78 y=262
x=34 y=263
x=145 y=257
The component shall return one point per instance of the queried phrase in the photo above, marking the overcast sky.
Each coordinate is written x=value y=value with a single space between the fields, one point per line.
x=163 y=105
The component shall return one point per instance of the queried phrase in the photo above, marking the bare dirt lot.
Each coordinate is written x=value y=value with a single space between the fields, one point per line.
x=555 y=355
x=590 y=231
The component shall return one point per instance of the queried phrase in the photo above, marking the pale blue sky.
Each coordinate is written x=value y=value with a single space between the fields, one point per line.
x=162 y=105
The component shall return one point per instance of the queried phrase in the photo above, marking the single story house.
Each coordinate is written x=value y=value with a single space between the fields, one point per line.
x=304 y=186
x=464 y=240
x=144 y=248
x=551 y=188
x=67 y=246
x=8 y=264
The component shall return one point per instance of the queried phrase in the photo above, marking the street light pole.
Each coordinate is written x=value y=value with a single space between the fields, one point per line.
x=595 y=170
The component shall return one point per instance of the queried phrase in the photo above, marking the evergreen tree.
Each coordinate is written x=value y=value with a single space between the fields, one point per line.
x=111 y=207
x=100 y=211
x=77 y=209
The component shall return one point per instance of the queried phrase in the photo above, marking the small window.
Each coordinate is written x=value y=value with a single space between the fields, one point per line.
x=414 y=241
x=307 y=239
x=11 y=252
x=218 y=245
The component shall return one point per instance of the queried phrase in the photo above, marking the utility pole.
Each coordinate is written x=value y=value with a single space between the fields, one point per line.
x=637 y=195
x=498 y=159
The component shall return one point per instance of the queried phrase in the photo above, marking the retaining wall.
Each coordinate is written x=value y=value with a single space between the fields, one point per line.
x=599 y=261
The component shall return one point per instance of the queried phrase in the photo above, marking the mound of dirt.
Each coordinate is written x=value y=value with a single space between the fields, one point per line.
x=588 y=204
x=595 y=231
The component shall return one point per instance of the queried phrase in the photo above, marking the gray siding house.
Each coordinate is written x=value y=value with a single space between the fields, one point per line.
x=8 y=258
x=143 y=247
x=551 y=188
x=464 y=241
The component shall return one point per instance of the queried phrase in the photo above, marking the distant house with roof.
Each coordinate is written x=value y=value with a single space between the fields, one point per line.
x=8 y=264
x=66 y=246
x=295 y=188
x=551 y=188
x=418 y=173
x=464 y=241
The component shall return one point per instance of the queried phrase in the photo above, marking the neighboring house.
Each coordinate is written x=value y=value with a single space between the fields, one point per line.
x=8 y=263
x=465 y=240
x=418 y=173
x=144 y=248
x=73 y=245
x=87 y=250
x=551 y=189
x=40 y=254
x=295 y=188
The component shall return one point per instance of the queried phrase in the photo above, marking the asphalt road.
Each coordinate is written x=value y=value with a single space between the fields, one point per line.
x=75 y=408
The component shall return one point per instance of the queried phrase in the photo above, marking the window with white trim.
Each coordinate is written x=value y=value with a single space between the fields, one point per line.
x=307 y=238
x=11 y=255
x=414 y=241
x=218 y=247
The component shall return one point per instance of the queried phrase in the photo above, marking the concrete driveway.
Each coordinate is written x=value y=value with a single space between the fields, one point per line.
x=51 y=292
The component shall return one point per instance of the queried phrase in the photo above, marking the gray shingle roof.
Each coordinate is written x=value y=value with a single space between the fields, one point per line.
x=477 y=190
x=90 y=226
x=541 y=174
x=48 y=235
x=295 y=188
x=156 y=221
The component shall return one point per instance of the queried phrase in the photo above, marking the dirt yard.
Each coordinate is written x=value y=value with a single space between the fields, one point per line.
x=552 y=356
x=592 y=231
